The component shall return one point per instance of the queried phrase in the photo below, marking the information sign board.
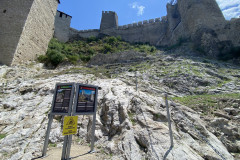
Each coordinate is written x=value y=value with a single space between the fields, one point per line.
x=62 y=100
x=85 y=99
x=70 y=125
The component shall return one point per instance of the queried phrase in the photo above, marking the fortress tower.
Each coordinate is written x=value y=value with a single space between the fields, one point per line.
x=26 y=27
x=62 y=25
x=197 y=14
x=109 y=20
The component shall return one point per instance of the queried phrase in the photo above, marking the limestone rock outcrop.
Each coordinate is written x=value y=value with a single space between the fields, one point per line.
x=130 y=124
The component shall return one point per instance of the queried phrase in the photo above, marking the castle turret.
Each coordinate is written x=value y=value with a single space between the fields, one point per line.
x=109 y=20
x=62 y=26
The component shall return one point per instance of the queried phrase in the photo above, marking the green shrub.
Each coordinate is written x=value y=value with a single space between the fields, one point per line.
x=107 y=48
x=119 y=38
x=85 y=58
x=84 y=49
x=55 y=57
x=73 y=58
x=66 y=49
x=111 y=40
x=91 y=51
x=42 y=58
x=92 y=39
x=153 y=49
x=145 y=48
x=55 y=45
x=234 y=52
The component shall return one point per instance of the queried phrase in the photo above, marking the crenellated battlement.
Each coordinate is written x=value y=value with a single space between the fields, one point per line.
x=60 y=14
x=108 y=12
x=144 y=23
x=88 y=30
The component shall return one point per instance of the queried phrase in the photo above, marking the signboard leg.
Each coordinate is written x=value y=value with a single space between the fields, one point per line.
x=169 y=121
x=68 y=147
x=86 y=104
x=47 y=135
x=93 y=133
x=64 y=148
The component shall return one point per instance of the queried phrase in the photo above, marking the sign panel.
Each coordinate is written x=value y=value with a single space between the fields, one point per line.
x=85 y=101
x=63 y=98
x=70 y=125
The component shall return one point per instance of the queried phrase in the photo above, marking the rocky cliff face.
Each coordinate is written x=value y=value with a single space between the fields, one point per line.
x=130 y=124
x=202 y=22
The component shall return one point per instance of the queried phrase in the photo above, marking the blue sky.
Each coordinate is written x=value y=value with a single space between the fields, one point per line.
x=87 y=13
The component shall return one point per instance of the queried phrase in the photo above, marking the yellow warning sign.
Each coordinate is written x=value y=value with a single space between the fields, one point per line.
x=70 y=125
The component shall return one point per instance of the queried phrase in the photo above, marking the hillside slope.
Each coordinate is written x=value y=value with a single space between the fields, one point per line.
x=204 y=106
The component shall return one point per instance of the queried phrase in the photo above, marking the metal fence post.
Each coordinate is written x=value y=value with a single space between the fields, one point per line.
x=169 y=120
x=136 y=80
x=93 y=133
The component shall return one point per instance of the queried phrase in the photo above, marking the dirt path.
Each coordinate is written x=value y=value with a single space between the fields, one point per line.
x=78 y=152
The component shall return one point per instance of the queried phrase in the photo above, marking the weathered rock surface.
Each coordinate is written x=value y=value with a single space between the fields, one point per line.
x=130 y=124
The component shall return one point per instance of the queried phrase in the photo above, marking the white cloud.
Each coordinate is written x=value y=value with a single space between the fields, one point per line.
x=140 y=8
x=230 y=8
x=172 y=2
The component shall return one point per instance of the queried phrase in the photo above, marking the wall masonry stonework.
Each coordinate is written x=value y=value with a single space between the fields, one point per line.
x=37 y=32
x=13 y=15
x=26 y=29
x=151 y=33
x=109 y=20
x=62 y=25
x=75 y=34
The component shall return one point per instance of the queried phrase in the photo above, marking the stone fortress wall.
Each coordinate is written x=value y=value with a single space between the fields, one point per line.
x=63 y=21
x=12 y=22
x=26 y=28
x=28 y=25
x=188 y=19
x=147 y=31
x=135 y=32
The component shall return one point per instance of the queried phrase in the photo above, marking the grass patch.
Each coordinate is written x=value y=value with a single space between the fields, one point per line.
x=205 y=103
x=223 y=83
x=131 y=117
x=52 y=145
x=2 y=136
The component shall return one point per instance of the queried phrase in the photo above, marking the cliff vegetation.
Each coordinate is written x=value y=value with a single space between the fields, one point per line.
x=83 y=50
